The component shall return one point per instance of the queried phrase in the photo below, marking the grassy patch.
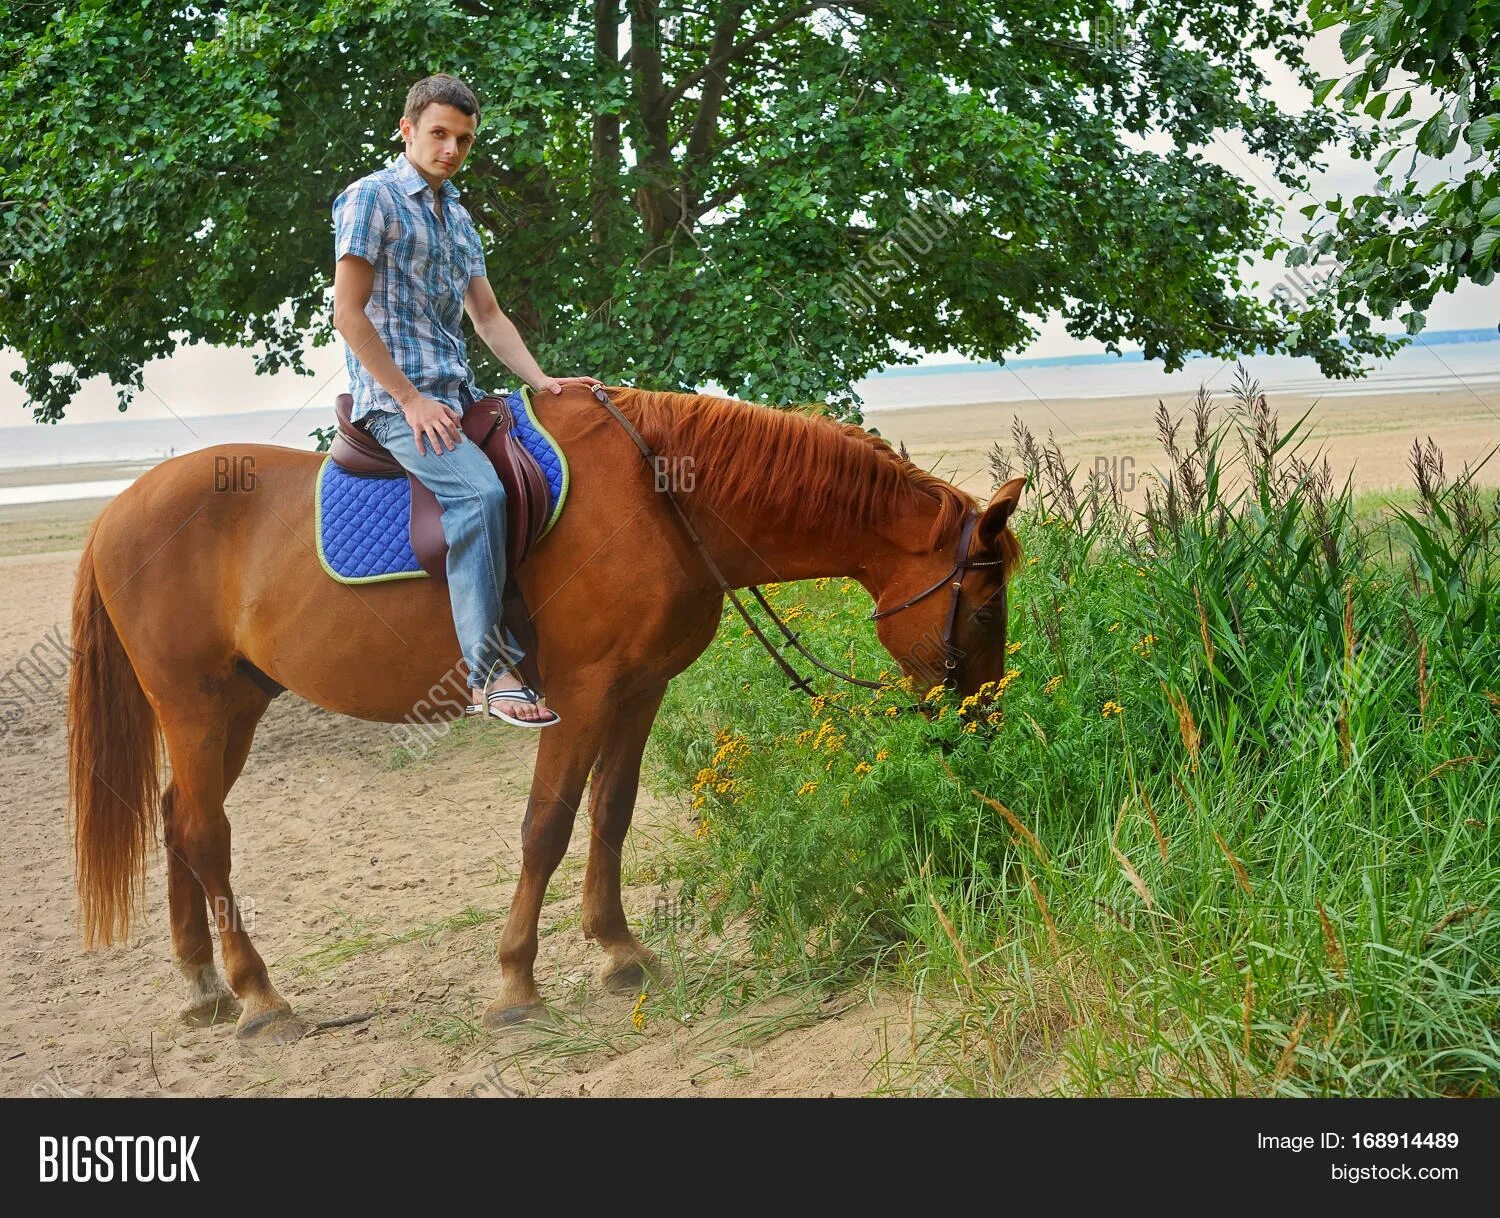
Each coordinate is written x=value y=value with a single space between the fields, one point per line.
x=1228 y=828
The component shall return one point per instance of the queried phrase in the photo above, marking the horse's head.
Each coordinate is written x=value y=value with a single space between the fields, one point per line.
x=944 y=615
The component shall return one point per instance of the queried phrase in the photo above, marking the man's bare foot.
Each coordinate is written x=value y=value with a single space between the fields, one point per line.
x=515 y=708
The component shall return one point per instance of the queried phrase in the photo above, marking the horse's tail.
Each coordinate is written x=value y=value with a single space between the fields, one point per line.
x=113 y=754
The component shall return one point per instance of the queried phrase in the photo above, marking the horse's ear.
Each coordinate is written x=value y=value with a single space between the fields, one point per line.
x=993 y=522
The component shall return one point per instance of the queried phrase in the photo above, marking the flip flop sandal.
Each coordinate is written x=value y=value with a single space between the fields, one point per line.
x=524 y=694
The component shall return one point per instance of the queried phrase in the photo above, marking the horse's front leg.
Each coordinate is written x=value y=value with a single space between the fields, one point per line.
x=564 y=756
x=611 y=805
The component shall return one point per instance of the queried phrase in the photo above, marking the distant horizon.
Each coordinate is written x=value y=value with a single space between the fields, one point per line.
x=1437 y=338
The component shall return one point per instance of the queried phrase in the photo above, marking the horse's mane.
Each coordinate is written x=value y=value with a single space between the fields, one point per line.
x=793 y=468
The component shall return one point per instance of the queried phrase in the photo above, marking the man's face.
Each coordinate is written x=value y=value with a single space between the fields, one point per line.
x=440 y=140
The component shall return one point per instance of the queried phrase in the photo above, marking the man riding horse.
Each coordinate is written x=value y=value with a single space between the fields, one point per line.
x=409 y=264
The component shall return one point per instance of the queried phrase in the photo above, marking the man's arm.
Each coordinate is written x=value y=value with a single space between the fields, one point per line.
x=499 y=333
x=352 y=280
x=501 y=336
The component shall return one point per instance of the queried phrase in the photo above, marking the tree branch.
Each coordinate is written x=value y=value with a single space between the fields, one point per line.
x=706 y=123
x=729 y=54
x=604 y=166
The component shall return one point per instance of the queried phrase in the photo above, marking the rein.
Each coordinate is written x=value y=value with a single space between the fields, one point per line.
x=961 y=563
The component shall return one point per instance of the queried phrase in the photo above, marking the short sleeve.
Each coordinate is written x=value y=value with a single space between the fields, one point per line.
x=360 y=214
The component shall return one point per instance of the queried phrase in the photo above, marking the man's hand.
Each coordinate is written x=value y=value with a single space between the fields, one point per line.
x=556 y=383
x=439 y=423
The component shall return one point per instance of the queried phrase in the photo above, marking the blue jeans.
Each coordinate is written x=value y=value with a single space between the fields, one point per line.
x=473 y=503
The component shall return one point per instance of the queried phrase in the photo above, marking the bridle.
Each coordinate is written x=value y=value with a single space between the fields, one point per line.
x=962 y=563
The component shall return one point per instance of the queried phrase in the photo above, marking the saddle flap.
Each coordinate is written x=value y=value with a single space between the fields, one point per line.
x=485 y=418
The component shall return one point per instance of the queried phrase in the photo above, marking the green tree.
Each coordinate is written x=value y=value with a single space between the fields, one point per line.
x=772 y=196
x=1426 y=70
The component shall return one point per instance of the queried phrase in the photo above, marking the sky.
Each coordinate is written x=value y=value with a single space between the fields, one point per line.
x=200 y=380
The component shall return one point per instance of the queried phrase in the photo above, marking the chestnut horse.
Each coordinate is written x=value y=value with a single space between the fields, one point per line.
x=195 y=600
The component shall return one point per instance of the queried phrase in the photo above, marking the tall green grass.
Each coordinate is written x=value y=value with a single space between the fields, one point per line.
x=1235 y=828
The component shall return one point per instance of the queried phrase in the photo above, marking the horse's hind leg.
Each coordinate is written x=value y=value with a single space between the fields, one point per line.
x=209 y=999
x=207 y=748
x=611 y=804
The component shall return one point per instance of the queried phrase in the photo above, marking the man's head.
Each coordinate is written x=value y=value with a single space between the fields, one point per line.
x=439 y=125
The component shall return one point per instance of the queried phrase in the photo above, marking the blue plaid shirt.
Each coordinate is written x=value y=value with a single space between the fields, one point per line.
x=422 y=272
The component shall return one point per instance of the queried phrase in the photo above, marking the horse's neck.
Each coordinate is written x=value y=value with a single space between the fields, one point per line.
x=750 y=553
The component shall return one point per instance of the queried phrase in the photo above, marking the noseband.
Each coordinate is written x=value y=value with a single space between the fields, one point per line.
x=961 y=564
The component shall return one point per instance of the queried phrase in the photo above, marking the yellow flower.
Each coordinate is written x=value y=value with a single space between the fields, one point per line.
x=1113 y=628
x=935 y=694
x=971 y=726
x=770 y=588
x=882 y=754
x=807 y=788
x=1112 y=708
x=994 y=718
x=1012 y=648
x=702 y=830
x=822 y=583
x=864 y=767
x=1051 y=686
x=892 y=711
x=804 y=737
x=638 y=1012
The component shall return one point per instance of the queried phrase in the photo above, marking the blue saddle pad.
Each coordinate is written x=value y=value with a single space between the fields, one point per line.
x=363 y=525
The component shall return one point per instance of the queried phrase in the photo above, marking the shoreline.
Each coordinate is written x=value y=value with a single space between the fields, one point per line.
x=1368 y=437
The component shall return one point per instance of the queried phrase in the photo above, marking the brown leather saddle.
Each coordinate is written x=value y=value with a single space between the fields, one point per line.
x=488 y=423
x=528 y=501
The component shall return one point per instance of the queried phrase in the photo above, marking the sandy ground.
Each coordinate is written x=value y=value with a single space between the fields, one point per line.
x=376 y=888
x=1368 y=435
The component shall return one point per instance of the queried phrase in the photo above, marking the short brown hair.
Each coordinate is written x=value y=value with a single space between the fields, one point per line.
x=448 y=90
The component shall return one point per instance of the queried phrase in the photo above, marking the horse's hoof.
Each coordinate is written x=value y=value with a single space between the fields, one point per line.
x=224 y=1008
x=630 y=978
x=278 y=1026
x=497 y=1017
